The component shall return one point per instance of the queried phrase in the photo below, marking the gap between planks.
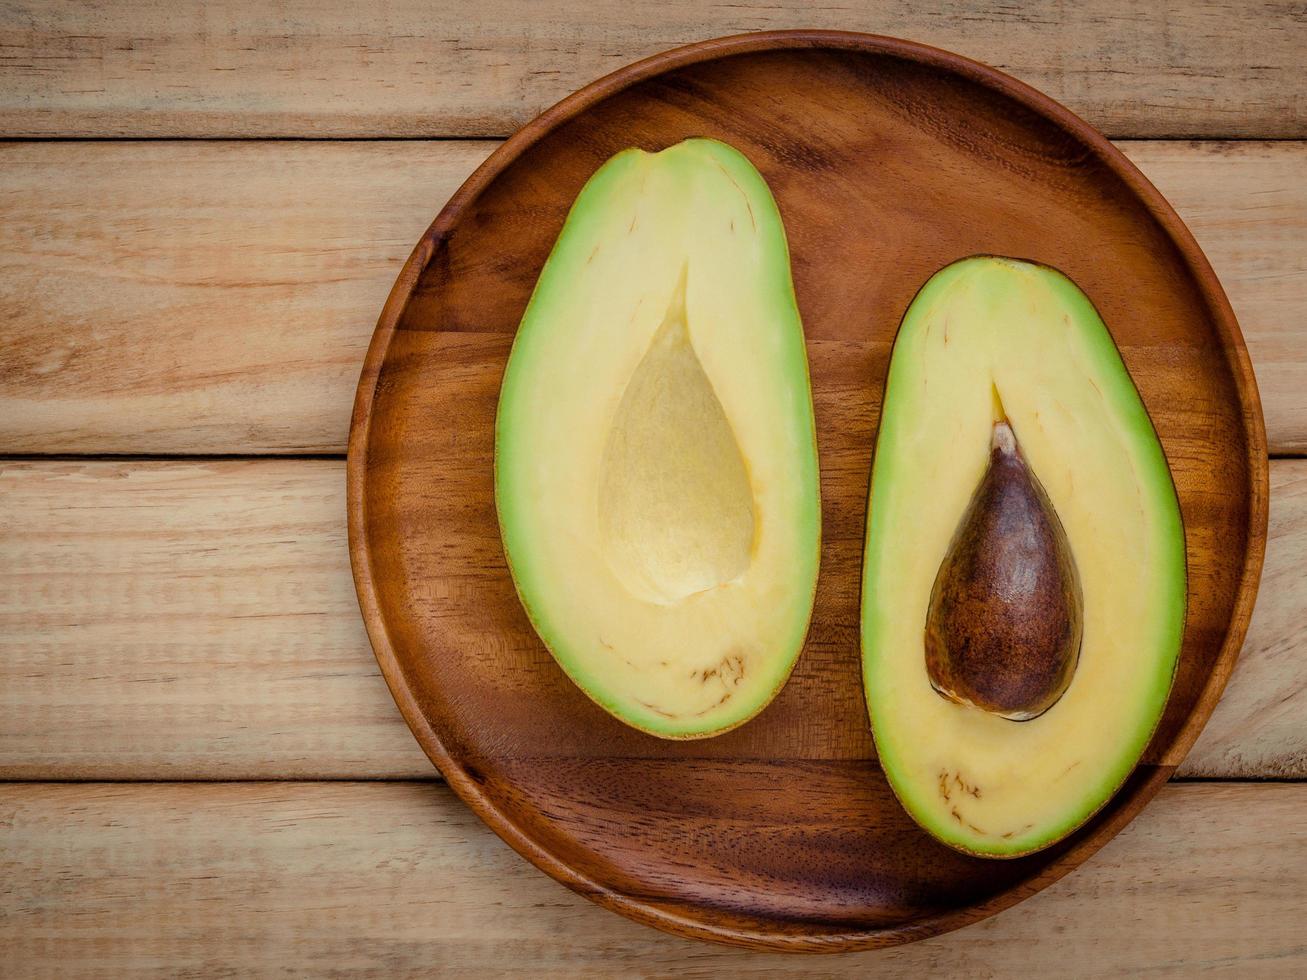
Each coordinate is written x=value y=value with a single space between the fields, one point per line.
x=181 y=457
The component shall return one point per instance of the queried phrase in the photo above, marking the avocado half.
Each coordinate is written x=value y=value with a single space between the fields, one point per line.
x=1024 y=588
x=655 y=455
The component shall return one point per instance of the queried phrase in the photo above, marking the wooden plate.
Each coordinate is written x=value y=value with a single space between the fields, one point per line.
x=888 y=160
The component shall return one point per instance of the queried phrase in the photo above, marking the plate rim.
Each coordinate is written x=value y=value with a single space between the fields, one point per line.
x=1129 y=799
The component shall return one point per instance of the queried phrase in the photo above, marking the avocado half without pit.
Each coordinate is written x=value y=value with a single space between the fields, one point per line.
x=1024 y=574
x=655 y=456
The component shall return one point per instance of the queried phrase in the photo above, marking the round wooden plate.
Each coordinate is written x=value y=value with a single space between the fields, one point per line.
x=888 y=160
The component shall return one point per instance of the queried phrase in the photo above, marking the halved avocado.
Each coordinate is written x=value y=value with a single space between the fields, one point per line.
x=1024 y=585
x=655 y=457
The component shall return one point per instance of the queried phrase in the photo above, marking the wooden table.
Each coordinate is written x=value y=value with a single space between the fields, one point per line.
x=202 y=212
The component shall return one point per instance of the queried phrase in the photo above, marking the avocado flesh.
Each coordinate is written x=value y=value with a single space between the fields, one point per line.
x=989 y=337
x=655 y=456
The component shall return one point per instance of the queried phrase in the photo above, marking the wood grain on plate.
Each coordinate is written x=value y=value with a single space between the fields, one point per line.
x=244 y=278
x=387 y=880
x=483 y=67
x=197 y=620
x=888 y=161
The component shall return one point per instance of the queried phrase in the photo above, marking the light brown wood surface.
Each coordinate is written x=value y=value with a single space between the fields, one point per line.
x=400 y=879
x=406 y=67
x=245 y=279
x=196 y=620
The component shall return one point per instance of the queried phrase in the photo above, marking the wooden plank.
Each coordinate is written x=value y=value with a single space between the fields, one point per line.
x=197 y=620
x=193 y=297
x=392 y=879
x=408 y=68
x=1246 y=203
x=186 y=620
x=245 y=280
x=1256 y=730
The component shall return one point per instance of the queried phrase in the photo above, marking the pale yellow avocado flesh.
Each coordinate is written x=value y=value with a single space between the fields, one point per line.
x=979 y=328
x=656 y=467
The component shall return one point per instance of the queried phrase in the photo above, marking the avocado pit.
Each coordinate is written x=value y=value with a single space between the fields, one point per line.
x=1005 y=619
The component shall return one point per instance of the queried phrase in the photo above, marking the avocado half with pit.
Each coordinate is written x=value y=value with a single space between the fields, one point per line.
x=1024 y=586
x=655 y=457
